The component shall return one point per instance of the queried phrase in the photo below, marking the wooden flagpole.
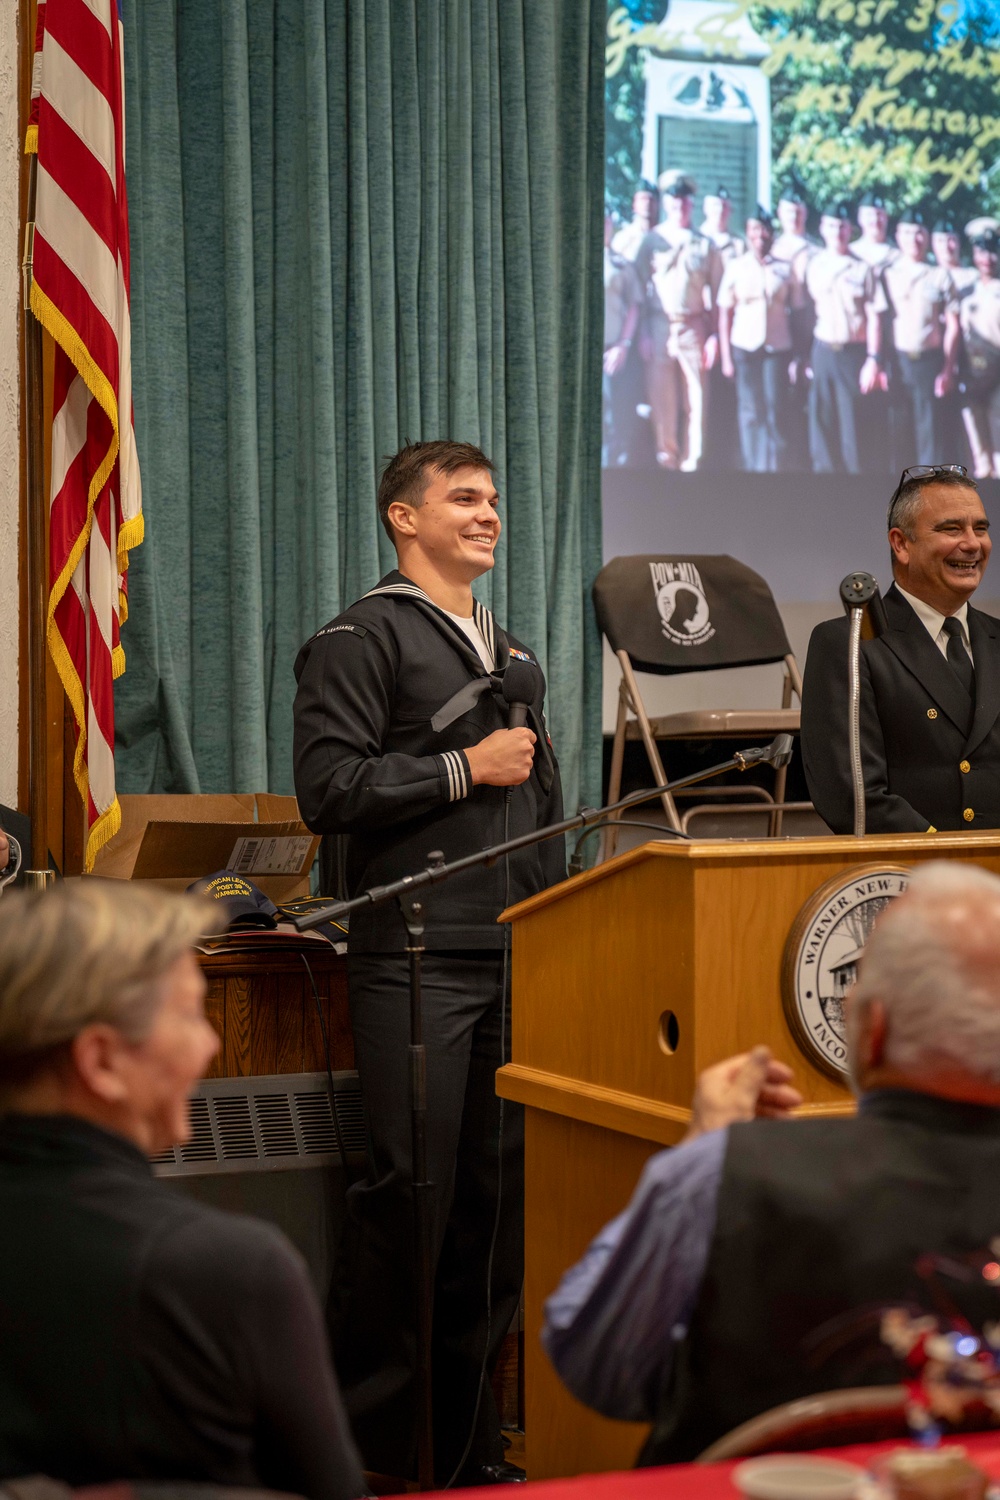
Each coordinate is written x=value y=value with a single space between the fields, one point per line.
x=36 y=530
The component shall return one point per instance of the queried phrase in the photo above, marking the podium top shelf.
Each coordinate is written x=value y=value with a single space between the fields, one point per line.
x=762 y=852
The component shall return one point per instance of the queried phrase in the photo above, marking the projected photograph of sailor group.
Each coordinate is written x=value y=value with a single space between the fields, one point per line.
x=802 y=235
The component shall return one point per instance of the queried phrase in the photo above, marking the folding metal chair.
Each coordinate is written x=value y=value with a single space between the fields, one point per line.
x=668 y=615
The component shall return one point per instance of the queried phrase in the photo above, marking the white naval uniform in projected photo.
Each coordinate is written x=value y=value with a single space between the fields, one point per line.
x=920 y=297
x=964 y=277
x=979 y=315
x=722 y=448
x=796 y=250
x=874 y=416
x=729 y=246
x=875 y=253
x=955 y=447
x=843 y=291
x=762 y=296
x=627 y=241
x=622 y=293
x=683 y=269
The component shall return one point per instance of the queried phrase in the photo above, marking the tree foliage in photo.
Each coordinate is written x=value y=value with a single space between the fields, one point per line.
x=624 y=101
x=883 y=95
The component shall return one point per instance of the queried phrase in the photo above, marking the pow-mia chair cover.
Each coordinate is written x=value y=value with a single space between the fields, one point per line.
x=672 y=614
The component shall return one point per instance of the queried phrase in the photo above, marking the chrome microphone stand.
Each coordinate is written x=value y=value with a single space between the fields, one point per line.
x=863 y=603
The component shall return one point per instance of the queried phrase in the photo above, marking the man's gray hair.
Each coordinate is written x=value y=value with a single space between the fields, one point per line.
x=906 y=503
x=933 y=961
x=88 y=950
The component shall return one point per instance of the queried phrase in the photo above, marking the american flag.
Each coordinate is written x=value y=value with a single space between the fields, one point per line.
x=80 y=294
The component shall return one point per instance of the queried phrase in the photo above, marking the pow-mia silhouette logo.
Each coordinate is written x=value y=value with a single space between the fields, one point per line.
x=821 y=958
x=680 y=599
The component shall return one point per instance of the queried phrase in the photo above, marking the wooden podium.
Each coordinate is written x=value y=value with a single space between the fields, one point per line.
x=627 y=981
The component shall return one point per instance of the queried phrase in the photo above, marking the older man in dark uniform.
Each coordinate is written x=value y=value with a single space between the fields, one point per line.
x=401 y=741
x=930 y=685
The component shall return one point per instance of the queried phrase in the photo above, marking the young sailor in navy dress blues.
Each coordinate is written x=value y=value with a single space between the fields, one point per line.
x=392 y=697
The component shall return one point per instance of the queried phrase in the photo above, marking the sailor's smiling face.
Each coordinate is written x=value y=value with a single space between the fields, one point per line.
x=456 y=525
x=944 y=561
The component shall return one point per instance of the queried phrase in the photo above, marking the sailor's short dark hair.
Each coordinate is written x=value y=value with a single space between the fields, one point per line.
x=406 y=473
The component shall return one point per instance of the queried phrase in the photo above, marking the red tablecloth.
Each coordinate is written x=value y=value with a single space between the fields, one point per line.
x=712 y=1481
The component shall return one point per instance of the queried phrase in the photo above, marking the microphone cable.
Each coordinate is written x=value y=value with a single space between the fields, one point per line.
x=341 y=1146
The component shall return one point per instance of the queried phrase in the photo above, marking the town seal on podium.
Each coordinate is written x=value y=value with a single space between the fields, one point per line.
x=821 y=957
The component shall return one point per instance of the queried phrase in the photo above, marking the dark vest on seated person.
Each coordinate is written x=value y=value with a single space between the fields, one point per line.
x=822 y=1225
x=930 y=750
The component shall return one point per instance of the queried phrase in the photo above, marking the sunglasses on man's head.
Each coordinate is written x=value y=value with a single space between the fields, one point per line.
x=921 y=471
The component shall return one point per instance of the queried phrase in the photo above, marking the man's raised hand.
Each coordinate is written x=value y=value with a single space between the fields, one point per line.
x=751 y=1084
x=503 y=758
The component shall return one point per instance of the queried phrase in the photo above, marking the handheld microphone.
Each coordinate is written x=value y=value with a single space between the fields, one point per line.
x=860 y=591
x=519 y=687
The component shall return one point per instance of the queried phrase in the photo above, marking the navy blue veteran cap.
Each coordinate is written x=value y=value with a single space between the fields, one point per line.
x=987 y=240
x=245 y=905
x=914 y=216
x=838 y=210
x=793 y=192
x=873 y=200
x=945 y=226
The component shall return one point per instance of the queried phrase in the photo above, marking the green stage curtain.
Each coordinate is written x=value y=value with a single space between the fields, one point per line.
x=354 y=223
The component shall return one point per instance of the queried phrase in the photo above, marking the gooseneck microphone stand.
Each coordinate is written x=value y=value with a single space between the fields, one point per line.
x=861 y=599
x=404 y=891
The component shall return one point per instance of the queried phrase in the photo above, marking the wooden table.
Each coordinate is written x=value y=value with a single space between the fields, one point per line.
x=263 y=1007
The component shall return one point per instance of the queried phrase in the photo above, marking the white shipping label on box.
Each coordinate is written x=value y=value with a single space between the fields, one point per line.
x=269 y=856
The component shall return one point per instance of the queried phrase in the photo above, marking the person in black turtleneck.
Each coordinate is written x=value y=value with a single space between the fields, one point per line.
x=142 y=1334
x=764 y=1260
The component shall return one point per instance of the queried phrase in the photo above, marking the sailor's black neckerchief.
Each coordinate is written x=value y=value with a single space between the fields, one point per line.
x=483 y=682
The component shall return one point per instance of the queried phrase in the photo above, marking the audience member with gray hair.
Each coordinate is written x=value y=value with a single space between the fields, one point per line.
x=927 y=1001
x=142 y=1335
x=754 y=1260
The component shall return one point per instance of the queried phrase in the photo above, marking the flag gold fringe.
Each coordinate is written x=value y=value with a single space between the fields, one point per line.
x=102 y=833
x=131 y=534
x=66 y=336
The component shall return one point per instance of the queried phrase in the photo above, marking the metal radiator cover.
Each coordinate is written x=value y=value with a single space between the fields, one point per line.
x=275 y=1123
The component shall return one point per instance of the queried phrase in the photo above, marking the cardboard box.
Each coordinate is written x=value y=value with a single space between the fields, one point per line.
x=173 y=840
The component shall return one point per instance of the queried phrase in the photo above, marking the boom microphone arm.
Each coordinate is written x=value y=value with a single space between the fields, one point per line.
x=778 y=753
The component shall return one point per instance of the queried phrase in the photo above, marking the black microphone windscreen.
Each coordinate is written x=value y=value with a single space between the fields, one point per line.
x=520 y=681
x=860 y=591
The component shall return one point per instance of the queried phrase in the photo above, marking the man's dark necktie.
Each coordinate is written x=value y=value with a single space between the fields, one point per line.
x=958 y=658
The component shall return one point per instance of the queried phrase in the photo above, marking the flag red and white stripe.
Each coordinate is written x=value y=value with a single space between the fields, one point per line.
x=80 y=293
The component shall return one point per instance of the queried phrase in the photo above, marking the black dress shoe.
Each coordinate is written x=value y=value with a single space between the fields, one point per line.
x=501 y=1473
